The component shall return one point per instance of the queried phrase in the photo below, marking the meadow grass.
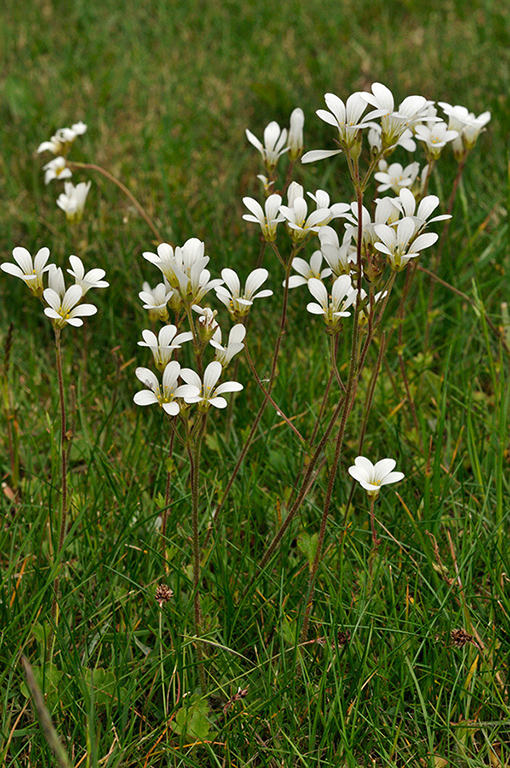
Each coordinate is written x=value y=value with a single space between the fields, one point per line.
x=167 y=89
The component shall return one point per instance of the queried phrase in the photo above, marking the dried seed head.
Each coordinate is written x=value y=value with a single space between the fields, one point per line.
x=163 y=595
x=460 y=637
x=343 y=637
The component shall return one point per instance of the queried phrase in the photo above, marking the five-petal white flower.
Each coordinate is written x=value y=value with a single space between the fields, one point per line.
x=335 y=305
x=164 y=344
x=63 y=305
x=372 y=477
x=209 y=393
x=31 y=272
x=235 y=343
x=156 y=300
x=56 y=169
x=239 y=302
x=268 y=217
x=166 y=394
x=93 y=278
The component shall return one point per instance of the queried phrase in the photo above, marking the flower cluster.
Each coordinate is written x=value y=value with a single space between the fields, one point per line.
x=62 y=305
x=72 y=201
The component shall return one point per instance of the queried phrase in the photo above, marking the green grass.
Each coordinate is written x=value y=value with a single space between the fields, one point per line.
x=167 y=90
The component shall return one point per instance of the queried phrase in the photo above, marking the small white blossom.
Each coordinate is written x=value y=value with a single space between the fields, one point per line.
x=166 y=394
x=372 y=477
x=63 y=139
x=434 y=138
x=72 y=201
x=398 y=245
x=307 y=270
x=63 y=305
x=268 y=217
x=235 y=344
x=275 y=144
x=93 y=278
x=335 y=305
x=237 y=301
x=295 y=140
x=300 y=223
x=341 y=258
x=395 y=177
x=31 y=272
x=209 y=393
x=156 y=300
x=394 y=123
x=56 y=169
x=164 y=344
x=466 y=124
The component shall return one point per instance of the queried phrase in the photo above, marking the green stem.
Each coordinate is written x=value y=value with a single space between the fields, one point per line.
x=64 y=439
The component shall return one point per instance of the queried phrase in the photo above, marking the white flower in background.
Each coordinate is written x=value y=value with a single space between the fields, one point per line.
x=341 y=258
x=63 y=139
x=406 y=141
x=63 y=305
x=295 y=140
x=268 y=217
x=184 y=268
x=398 y=244
x=93 y=278
x=156 y=300
x=466 y=124
x=335 y=305
x=56 y=169
x=166 y=394
x=395 y=177
x=235 y=344
x=209 y=393
x=207 y=324
x=164 y=344
x=300 y=223
x=307 y=270
x=275 y=144
x=434 y=138
x=31 y=272
x=266 y=183
x=72 y=201
x=237 y=301
x=394 y=123
x=372 y=477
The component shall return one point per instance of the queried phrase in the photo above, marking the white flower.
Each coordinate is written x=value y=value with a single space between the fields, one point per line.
x=295 y=140
x=372 y=476
x=207 y=322
x=164 y=344
x=156 y=300
x=64 y=307
x=307 y=270
x=394 y=123
x=398 y=245
x=332 y=306
x=209 y=394
x=347 y=118
x=235 y=344
x=31 y=272
x=239 y=302
x=434 y=138
x=267 y=219
x=406 y=202
x=299 y=222
x=184 y=269
x=466 y=123
x=72 y=201
x=56 y=169
x=93 y=278
x=406 y=141
x=386 y=210
x=166 y=394
x=275 y=144
x=341 y=258
x=395 y=177
x=63 y=139
x=266 y=183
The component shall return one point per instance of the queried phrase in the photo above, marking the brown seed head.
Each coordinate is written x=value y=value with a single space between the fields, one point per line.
x=163 y=595
x=460 y=637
